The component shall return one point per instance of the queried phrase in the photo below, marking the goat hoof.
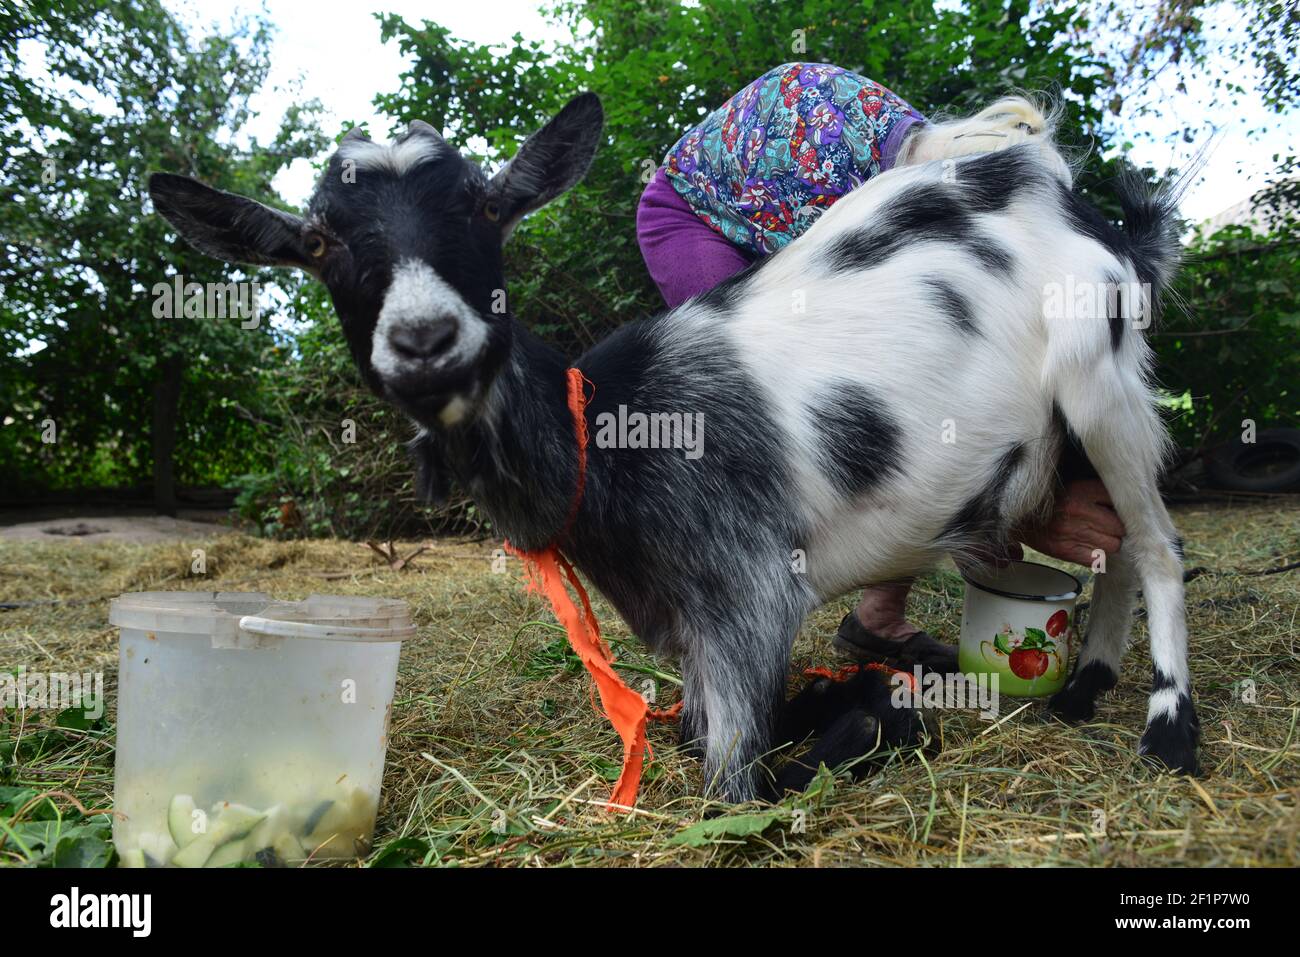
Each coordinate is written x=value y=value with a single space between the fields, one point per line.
x=1073 y=705
x=903 y=729
x=1077 y=701
x=1171 y=740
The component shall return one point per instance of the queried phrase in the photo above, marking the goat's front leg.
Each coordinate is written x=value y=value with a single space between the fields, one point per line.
x=734 y=689
x=692 y=732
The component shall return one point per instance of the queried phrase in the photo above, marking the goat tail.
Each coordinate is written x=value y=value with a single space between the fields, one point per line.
x=1151 y=219
x=1152 y=225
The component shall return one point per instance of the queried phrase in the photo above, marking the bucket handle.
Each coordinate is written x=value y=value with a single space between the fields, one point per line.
x=305 y=629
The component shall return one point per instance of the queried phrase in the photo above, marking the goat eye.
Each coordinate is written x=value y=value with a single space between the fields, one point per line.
x=316 y=246
x=492 y=211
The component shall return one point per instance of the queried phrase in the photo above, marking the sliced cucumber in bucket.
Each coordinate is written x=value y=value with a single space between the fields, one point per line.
x=229 y=822
x=333 y=822
x=180 y=820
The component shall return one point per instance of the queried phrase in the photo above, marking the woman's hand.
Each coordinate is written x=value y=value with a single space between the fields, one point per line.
x=1083 y=521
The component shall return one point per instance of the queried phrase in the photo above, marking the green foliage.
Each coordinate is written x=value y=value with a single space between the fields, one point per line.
x=1231 y=345
x=45 y=836
x=729 y=828
x=37 y=830
x=127 y=93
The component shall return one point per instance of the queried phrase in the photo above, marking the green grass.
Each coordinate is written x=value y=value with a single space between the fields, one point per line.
x=496 y=757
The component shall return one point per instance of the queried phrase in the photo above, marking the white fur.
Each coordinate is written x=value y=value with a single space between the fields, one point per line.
x=398 y=157
x=1163 y=704
x=879 y=328
x=419 y=296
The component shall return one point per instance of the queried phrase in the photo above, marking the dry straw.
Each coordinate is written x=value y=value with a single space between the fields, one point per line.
x=497 y=759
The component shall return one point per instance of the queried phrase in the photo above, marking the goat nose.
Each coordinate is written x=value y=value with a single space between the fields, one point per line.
x=422 y=341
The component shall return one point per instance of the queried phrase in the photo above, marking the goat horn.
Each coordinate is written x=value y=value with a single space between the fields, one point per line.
x=419 y=126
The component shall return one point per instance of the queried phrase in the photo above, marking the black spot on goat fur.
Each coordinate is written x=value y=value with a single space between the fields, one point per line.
x=1161 y=681
x=989 y=181
x=956 y=306
x=1086 y=219
x=925 y=213
x=992 y=254
x=858 y=438
x=929 y=212
x=1115 y=309
x=980 y=519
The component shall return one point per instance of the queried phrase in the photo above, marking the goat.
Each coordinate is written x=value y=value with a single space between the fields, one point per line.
x=916 y=406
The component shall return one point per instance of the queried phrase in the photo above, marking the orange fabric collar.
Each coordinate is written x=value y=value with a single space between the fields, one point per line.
x=547 y=571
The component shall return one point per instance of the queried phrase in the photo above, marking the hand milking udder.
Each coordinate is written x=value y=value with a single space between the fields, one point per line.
x=1083 y=523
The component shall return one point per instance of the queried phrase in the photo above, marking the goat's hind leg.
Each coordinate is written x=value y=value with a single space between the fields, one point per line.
x=1114 y=594
x=1110 y=620
x=1123 y=437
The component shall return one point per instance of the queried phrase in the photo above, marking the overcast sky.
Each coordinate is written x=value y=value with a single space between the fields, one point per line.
x=335 y=49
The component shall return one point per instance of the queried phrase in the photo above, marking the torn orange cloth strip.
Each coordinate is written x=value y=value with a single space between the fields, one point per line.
x=626 y=709
x=843 y=674
x=547 y=572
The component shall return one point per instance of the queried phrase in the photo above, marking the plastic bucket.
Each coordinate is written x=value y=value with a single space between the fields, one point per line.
x=1017 y=624
x=250 y=729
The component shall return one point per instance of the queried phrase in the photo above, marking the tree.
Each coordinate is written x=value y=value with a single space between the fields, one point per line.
x=133 y=396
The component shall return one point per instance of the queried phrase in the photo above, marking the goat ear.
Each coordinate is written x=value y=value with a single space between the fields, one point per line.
x=432 y=474
x=550 y=161
x=227 y=226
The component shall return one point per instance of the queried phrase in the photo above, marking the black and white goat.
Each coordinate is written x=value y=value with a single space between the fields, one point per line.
x=917 y=405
